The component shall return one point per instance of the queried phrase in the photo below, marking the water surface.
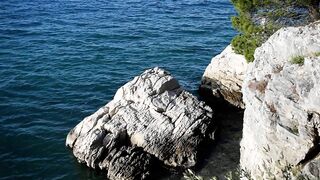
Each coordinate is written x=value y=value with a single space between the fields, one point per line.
x=60 y=60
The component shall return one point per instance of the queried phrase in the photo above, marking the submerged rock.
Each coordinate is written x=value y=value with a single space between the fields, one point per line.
x=223 y=77
x=282 y=118
x=150 y=117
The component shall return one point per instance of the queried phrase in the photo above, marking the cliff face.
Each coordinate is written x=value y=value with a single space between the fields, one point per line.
x=281 y=130
x=223 y=77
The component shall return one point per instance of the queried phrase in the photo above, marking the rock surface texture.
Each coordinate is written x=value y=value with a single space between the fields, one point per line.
x=281 y=122
x=224 y=76
x=150 y=119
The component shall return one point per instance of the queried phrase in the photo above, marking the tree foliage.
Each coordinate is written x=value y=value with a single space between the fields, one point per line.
x=252 y=34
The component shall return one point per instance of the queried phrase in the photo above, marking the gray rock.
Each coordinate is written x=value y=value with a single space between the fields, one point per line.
x=150 y=117
x=223 y=77
x=281 y=122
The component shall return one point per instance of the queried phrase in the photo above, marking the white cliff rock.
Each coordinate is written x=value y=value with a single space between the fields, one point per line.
x=281 y=122
x=224 y=76
x=150 y=117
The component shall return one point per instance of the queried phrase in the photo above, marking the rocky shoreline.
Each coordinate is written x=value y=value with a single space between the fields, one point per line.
x=281 y=99
x=153 y=120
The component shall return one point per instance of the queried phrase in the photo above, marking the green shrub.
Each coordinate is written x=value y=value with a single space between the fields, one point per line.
x=297 y=60
x=246 y=45
x=317 y=54
x=253 y=35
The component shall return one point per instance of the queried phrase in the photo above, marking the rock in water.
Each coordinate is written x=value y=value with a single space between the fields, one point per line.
x=224 y=76
x=150 y=117
x=281 y=122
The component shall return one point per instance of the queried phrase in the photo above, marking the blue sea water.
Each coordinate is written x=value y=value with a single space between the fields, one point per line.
x=60 y=60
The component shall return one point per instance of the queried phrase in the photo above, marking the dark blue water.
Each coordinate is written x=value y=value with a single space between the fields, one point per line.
x=60 y=60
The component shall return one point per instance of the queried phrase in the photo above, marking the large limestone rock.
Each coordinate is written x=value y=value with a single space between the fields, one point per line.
x=281 y=122
x=150 y=117
x=224 y=76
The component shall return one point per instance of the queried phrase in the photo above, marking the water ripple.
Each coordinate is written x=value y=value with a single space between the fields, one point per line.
x=61 y=60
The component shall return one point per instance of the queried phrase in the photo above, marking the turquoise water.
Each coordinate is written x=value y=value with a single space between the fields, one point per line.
x=60 y=60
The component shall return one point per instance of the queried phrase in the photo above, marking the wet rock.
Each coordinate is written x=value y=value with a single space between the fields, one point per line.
x=150 y=117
